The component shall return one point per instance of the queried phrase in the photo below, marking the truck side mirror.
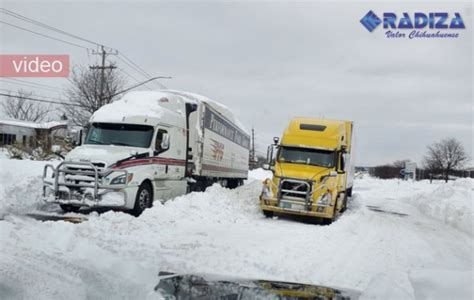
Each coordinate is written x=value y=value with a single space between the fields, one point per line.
x=165 y=142
x=79 y=137
x=270 y=161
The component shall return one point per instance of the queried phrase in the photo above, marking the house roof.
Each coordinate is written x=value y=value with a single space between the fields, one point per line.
x=26 y=124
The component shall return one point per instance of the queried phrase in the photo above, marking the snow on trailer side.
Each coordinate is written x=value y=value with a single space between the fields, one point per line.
x=219 y=142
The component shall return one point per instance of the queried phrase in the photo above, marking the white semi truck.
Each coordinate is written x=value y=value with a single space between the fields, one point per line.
x=150 y=146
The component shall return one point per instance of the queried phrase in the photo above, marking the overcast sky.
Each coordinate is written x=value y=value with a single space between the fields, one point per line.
x=271 y=61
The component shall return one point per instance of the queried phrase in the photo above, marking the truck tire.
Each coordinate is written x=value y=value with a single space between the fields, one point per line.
x=233 y=183
x=268 y=213
x=69 y=208
x=143 y=200
x=344 y=203
x=349 y=192
x=328 y=221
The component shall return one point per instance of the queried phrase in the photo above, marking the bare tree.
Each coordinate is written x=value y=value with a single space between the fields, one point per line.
x=400 y=163
x=20 y=108
x=88 y=94
x=445 y=156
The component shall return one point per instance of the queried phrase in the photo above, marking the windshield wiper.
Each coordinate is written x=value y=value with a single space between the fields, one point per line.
x=119 y=144
x=94 y=142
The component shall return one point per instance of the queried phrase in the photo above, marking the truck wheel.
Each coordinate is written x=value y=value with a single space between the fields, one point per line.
x=69 y=208
x=143 y=200
x=328 y=221
x=268 y=213
x=344 y=203
x=232 y=183
x=349 y=192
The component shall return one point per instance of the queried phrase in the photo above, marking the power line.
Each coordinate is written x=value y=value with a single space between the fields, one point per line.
x=133 y=67
x=38 y=100
x=136 y=69
x=137 y=66
x=38 y=23
x=35 y=83
x=41 y=96
x=121 y=56
x=132 y=77
x=44 y=35
x=30 y=85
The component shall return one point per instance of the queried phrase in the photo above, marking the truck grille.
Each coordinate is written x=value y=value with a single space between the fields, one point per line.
x=294 y=189
x=77 y=174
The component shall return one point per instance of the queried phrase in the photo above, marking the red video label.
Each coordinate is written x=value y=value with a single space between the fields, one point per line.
x=31 y=65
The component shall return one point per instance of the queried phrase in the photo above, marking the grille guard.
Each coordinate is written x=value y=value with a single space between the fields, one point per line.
x=307 y=194
x=96 y=184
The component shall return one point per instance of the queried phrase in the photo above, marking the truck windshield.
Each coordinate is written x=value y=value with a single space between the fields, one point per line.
x=306 y=156
x=120 y=134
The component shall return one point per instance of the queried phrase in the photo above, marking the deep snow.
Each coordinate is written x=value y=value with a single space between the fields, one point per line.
x=398 y=239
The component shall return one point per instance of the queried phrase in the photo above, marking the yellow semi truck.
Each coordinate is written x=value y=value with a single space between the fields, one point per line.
x=313 y=169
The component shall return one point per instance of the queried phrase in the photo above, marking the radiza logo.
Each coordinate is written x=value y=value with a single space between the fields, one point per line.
x=418 y=22
x=370 y=21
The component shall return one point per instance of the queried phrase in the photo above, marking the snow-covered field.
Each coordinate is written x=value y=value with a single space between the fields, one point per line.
x=400 y=239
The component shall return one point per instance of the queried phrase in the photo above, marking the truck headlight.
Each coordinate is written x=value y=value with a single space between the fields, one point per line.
x=267 y=189
x=122 y=179
x=325 y=199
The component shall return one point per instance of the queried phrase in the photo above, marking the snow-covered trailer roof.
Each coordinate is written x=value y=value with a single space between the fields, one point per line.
x=153 y=107
x=219 y=107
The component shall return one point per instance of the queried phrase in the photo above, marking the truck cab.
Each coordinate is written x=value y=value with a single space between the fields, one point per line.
x=134 y=153
x=312 y=169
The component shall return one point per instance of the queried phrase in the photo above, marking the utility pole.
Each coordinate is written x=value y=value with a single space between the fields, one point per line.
x=252 y=150
x=102 y=69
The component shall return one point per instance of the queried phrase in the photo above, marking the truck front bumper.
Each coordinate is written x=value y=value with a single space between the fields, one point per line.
x=105 y=198
x=92 y=193
x=272 y=204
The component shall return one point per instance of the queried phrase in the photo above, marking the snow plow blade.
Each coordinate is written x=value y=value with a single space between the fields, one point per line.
x=209 y=286
x=55 y=218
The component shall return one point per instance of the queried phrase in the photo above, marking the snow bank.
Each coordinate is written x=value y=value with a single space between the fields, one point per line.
x=382 y=287
x=222 y=231
x=449 y=202
x=20 y=185
x=446 y=283
x=259 y=174
x=3 y=153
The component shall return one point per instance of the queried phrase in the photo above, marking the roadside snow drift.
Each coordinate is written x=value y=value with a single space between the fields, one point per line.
x=20 y=185
x=387 y=245
x=450 y=203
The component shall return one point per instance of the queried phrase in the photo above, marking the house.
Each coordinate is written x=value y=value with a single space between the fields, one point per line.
x=29 y=134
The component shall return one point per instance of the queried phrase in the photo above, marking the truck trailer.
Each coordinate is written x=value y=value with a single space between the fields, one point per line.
x=313 y=169
x=150 y=146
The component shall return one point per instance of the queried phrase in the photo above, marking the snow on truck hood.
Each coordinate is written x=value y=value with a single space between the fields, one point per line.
x=106 y=154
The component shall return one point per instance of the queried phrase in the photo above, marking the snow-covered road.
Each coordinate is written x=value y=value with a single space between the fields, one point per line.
x=402 y=239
